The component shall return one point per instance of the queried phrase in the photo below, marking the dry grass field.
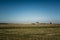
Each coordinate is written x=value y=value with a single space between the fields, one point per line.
x=30 y=32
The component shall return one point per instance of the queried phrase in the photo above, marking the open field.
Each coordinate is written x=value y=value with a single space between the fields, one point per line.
x=29 y=25
x=29 y=32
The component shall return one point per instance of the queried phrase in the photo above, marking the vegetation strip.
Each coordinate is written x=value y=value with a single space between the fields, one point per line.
x=29 y=27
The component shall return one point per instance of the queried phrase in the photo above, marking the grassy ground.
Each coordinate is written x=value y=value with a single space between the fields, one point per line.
x=30 y=33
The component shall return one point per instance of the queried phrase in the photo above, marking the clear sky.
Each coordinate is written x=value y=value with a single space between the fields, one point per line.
x=27 y=11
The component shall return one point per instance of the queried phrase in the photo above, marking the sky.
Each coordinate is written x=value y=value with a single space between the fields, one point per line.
x=29 y=11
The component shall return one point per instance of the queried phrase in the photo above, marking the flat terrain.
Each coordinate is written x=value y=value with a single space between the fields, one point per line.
x=30 y=33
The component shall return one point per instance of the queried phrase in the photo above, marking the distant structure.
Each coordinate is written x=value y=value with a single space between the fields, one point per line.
x=33 y=23
x=37 y=23
x=50 y=22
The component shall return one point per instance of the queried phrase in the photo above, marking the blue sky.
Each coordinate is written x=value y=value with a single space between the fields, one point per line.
x=27 y=11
